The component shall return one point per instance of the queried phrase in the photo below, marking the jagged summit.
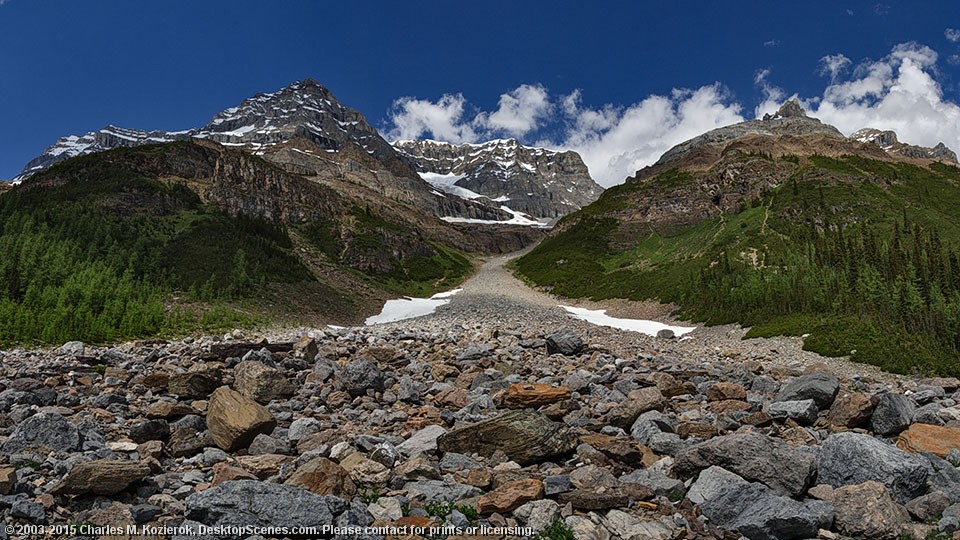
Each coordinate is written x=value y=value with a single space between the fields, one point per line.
x=538 y=181
x=302 y=109
x=789 y=120
x=790 y=109
x=887 y=140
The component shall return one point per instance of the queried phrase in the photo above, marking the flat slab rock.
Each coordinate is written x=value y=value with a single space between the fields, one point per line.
x=526 y=437
x=101 y=477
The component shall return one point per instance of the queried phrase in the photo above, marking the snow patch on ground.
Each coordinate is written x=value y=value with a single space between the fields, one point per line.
x=408 y=308
x=599 y=317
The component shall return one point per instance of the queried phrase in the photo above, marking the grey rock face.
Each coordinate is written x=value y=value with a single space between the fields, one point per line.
x=359 y=376
x=802 y=411
x=894 y=413
x=711 y=483
x=851 y=458
x=539 y=182
x=821 y=387
x=889 y=142
x=249 y=502
x=564 y=342
x=789 y=120
x=759 y=513
x=754 y=457
x=44 y=432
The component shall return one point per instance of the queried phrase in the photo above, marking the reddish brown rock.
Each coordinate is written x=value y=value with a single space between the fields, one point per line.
x=8 y=479
x=264 y=465
x=167 y=411
x=759 y=419
x=694 y=429
x=453 y=397
x=926 y=438
x=234 y=419
x=225 y=473
x=323 y=477
x=728 y=406
x=850 y=410
x=522 y=396
x=625 y=451
x=510 y=496
x=726 y=390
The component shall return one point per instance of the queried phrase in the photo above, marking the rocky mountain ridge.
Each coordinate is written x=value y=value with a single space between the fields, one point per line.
x=540 y=182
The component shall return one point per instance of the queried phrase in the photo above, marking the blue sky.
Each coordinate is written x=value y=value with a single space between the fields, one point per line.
x=618 y=81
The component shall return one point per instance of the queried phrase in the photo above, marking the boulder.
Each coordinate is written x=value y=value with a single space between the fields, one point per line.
x=802 y=412
x=253 y=503
x=101 y=477
x=521 y=396
x=509 y=496
x=359 y=376
x=322 y=476
x=758 y=513
x=72 y=348
x=526 y=437
x=754 y=457
x=235 y=420
x=821 y=387
x=928 y=506
x=711 y=482
x=625 y=413
x=423 y=441
x=564 y=342
x=866 y=510
x=261 y=383
x=850 y=410
x=194 y=384
x=938 y=440
x=44 y=432
x=852 y=458
x=723 y=391
x=893 y=414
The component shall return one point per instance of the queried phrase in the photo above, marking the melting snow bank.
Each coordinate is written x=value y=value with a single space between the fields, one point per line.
x=408 y=308
x=599 y=317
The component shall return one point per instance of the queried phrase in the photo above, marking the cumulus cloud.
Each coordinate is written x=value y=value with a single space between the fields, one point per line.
x=520 y=111
x=898 y=92
x=952 y=34
x=443 y=119
x=614 y=141
x=833 y=65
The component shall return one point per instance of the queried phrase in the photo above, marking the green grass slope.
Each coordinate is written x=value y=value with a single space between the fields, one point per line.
x=860 y=254
x=114 y=246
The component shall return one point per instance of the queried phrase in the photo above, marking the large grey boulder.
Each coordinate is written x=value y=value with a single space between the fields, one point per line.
x=754 y=457
x=851 y=458
x=244 y=503
x=44 y=432
x=360 y=376
x=759 y=513
x=821 y=387
x=893 y=414
x=711 y=483
x=803 y=411
x=564 y=342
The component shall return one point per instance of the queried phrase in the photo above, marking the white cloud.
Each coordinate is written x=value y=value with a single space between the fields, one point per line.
x=833 y=65
x=615 y=142
x=443 y=119
x=898 y=92
x=772 y=43
x=520 y=111
x=952 y=34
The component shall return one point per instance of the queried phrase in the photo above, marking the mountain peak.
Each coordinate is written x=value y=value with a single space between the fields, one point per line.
x=888 y=141
x=790 y=109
